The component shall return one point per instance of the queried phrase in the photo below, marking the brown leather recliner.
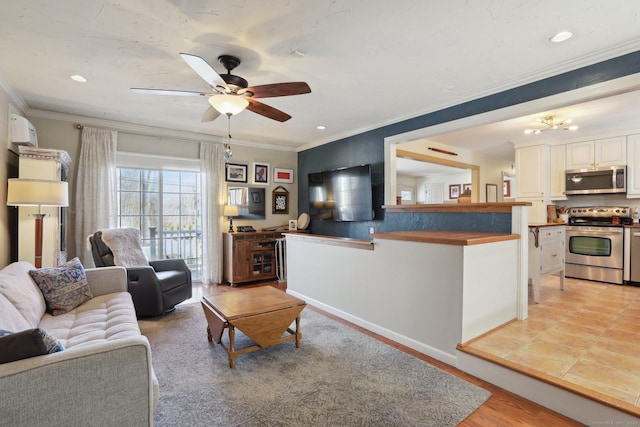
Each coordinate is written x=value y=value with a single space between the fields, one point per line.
x=156 y=288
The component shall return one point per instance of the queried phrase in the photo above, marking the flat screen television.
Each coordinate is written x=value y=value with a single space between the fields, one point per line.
x=341 y=194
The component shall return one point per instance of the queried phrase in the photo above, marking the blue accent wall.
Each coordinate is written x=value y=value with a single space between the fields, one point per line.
x=368 y=147
x=459 y=221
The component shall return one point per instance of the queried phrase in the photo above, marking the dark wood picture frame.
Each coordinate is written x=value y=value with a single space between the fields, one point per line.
x=235 y=173
x=454 y=191
x=261 y=173
x=280 y=201
x=506 y=188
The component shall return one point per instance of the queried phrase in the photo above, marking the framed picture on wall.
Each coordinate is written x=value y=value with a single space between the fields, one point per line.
x=261 y=173
x=506 y=188
x=283 y=175
x=454 y=191
x=235 y=173
x=466 y=187
x=280 y=197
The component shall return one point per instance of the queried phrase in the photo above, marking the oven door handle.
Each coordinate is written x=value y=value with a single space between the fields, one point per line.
x=596 y=233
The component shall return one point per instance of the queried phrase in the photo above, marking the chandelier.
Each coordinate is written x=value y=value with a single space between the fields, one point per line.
x=551 y=123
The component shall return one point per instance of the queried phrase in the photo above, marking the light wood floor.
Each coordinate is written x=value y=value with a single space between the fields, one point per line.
x=585 y=339
x=503 y=407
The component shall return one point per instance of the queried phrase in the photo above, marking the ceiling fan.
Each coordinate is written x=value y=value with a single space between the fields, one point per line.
x=232 y=94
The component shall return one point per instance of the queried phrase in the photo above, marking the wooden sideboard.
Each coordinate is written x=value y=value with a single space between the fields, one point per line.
x=249 y=257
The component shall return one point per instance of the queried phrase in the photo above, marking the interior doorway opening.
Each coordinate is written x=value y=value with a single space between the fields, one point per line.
x=429 y=192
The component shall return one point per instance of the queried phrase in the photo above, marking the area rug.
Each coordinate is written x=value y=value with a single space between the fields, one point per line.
x=338 y=377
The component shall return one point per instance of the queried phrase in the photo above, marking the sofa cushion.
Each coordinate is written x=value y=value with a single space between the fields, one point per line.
x=18 y=288
x=30 y=343
x=104 y=318
x=64 y=287
x=10 y=318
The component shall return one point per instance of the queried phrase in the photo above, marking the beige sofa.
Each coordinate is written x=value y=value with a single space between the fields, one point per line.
x=103 y=376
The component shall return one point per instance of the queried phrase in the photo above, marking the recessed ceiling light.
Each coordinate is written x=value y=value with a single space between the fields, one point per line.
x=320 y=127
x=561 y=36
x=78 y=78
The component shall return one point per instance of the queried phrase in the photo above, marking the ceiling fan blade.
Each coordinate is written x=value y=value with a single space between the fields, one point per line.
x=279 y=89
x=210 y=115
x=204 y=70
x=166 y=92
x=267 y=111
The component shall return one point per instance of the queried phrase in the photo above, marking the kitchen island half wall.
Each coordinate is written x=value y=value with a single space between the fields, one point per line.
x=428 y=290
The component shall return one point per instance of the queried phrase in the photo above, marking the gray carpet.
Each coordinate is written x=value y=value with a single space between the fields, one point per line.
x=338 y=377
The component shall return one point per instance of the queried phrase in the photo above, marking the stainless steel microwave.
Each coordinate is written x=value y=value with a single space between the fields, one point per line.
x=611 y=179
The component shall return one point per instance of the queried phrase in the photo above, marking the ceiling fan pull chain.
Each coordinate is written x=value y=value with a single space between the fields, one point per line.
x=227 y=146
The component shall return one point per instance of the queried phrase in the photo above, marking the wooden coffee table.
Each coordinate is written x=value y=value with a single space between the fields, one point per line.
x=263 y=313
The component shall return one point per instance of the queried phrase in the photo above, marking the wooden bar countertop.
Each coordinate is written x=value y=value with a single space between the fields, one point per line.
x=461 y=238
x=547 y=224
x=496 y=207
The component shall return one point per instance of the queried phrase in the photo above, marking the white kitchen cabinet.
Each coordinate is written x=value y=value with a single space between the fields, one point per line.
x=597 y=153
x=580 y=155
x=546 y=255
x=532 y=170
x=633 y=166
x=532 y=180
x=557 y=165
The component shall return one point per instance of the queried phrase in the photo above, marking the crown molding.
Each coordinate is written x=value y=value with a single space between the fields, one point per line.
x=15 y=97
x=541 y=74
x=138 y=129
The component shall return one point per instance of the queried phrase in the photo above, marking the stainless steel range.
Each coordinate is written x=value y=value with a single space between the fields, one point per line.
x=595 y=243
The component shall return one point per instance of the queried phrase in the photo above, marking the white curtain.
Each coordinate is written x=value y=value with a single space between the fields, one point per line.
x=95 y=188
x=212 y=173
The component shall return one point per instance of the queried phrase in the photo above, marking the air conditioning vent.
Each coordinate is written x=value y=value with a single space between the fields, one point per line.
x=22 y=133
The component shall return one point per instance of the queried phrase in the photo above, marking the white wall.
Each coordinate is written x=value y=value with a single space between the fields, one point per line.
x=8 y=169
x=429 y=297
x=5 y=236
x=63 y=135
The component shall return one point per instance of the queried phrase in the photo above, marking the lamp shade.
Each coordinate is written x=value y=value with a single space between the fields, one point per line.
x=228 y=104
x=230 y=210
x=37 y=192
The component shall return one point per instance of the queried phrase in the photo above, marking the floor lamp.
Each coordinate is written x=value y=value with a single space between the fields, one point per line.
x=37 y=192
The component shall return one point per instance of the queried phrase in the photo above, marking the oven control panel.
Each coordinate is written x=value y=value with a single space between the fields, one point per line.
x=600 y=212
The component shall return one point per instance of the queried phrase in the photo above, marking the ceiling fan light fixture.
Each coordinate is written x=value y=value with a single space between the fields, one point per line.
x=228 y=104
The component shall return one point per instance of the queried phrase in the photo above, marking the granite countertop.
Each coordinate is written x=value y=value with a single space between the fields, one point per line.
x=462 y=238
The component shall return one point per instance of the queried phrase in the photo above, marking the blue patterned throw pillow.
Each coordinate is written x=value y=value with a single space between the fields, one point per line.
x=64 y=287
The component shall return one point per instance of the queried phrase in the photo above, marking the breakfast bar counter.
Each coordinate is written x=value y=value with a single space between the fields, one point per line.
x=463 y=238
x=427 y=289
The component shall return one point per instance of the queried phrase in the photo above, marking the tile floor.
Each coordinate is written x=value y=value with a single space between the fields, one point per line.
x=587 y=335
